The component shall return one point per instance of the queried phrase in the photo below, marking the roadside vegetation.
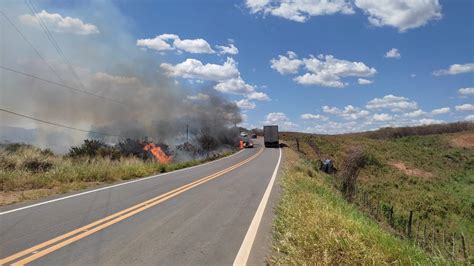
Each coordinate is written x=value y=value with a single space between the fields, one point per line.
x=315 y=225
x=426 y=171
x=28 y=173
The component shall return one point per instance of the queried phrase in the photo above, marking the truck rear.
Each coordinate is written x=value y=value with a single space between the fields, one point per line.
x=270 y=136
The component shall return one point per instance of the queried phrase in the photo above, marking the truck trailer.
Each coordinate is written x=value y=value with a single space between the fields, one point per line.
x=270 y=136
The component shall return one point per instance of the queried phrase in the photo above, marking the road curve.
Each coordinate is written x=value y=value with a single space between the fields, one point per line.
x=199 y=215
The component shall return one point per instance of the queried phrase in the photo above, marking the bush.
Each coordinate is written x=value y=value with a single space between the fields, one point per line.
x=355 y=160
x=92 y=148
x=399 y=132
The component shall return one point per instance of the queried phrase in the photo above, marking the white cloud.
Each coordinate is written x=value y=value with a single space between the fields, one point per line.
x=198 y=97
x=466 y=91
x=165 y=42
x=331 y=110
x=234 y=86
x=279 y=119
x=455 y=69
x=327 y=71
x=192 y=68
x=195 y=46
x=416 y=113
x=465 y=107
x=413 y=75
x=58 y=23
x=392 y=102
x=393 y=53
x=117 y=80
x=429 y=121
x=401 y=14
x=246 y=104
x=286 y=64
x=313 y=117
x=299 y=10
x=364 y=81
x=469 y=118
x=382 y=117
x=440 y=111
x=259 y=96
x=231 y=49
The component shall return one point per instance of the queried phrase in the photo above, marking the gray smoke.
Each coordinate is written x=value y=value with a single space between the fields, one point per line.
x=150 y=104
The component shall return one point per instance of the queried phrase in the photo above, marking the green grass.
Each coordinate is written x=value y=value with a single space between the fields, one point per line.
x=442 y=201
x=30 y=173
x=315 y=225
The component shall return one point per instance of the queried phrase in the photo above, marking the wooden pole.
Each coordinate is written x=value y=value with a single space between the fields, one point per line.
x=410 y=220
x=464 y=252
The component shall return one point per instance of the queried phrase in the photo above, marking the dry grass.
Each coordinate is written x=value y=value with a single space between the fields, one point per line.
x=315 y=225
x=28 y=173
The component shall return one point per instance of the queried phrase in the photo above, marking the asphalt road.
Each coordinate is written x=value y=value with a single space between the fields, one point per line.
x=198 y=216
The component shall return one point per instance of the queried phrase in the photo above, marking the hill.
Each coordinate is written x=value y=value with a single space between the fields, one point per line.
x=428 y=171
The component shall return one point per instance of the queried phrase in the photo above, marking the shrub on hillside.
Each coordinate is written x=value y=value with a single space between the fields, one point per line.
x=355 y=160
x=92 y=148
x=399 y=132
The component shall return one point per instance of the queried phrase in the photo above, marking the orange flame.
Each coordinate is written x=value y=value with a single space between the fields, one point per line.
x=160 y=156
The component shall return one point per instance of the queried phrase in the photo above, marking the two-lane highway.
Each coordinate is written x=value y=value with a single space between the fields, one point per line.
x=208 y=214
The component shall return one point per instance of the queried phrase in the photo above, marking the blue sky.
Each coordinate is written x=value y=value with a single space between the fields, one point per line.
x=299 y=63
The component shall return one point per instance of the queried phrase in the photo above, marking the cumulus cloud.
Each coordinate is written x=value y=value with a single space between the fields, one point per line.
x=455 y=69
x=364 y=81
x=416 y=113
x=192 y=68
x=58 y=23
x=313 y=117
x=323 y=70
x=226 y=75
x=330 y=110
x=234 y=86
x=392 y=102
x=246 y=104
x=401 y=14
x=469 y=118
x=466 y=91
x=259 y=96
x=393 y=53
x=382 y=117
x=299 y=10
x=440 y=111
x=465 y=107
x=279 y=119
x=165 y=42
x=286 y=64
x=231 y=49
x=429 y=121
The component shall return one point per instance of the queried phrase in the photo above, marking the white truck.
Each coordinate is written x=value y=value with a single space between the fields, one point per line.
x=270 y=136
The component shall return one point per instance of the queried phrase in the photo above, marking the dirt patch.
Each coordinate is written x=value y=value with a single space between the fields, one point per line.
x=410 y=171
x=10 y=197
x=463 y=141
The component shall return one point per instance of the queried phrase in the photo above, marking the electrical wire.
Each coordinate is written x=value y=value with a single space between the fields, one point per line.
x=60 y=125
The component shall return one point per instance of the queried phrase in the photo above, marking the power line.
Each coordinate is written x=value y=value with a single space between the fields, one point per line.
x=52 y=40
x=49 y=66
x=57 y=84
x=59 y=125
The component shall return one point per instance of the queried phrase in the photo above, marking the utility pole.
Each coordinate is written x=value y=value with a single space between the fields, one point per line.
x=187 y=133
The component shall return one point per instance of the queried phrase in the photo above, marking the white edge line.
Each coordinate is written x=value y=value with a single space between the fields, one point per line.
x=112 y=186
x=246 y=247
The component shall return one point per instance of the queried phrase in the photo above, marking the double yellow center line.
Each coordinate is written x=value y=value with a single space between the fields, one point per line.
x=43 y=249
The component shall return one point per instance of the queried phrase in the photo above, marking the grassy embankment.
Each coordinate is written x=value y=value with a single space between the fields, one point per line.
x=315 y=225
x=28 y=173
x=431 y=175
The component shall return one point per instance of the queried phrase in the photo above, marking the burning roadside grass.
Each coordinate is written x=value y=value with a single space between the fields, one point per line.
x=28 y=173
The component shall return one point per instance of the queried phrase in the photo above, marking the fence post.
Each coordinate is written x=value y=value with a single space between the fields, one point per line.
x=410 y=220
x=298 y=144
x=464 y=252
